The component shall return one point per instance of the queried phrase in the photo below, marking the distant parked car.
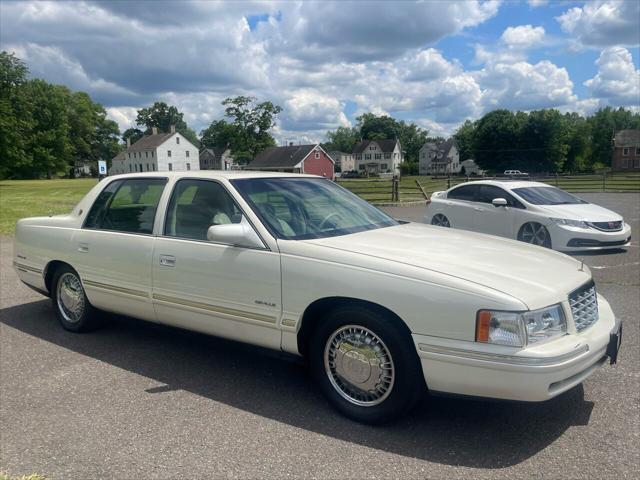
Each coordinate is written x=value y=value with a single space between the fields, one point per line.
x=515 y=173
x=532 y=212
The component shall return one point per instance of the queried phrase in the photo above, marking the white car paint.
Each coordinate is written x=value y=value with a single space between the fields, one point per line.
x=433 y=279
x=508 y=221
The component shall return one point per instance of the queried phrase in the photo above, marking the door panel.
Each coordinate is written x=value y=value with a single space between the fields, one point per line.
x=490 y=219
x=218 y=289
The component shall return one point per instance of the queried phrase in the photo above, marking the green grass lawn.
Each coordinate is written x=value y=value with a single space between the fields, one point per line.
x=28 y=198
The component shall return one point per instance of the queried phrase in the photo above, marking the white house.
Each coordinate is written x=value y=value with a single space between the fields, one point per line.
x=378 y=156
x=216 y=159
x=157 y=152
x=344 y=161
x=442 y=158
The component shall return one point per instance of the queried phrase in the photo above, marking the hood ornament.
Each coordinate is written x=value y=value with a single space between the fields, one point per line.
x=581 y=265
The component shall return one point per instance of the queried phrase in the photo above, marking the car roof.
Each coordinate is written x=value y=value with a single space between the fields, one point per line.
x=216 y=174
x=506 y=184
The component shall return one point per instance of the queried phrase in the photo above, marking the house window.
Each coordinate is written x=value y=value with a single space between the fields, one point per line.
x=637 y=151
x=367 y=156
x=130 y=169
x=151 y=153
x=371 y=147
x=177 y=140
x=147 y=167
x=387 y=156
x=384 y=166
x=188 y=166
x=154 y=166
x=129 y=154
x=378 y=156
x=360 y=167
x=168 y=153
x=146 y=154
x=170 y=167
x=625 y=151
x=187 y=153
x=140 y=167
x=358 y=156
x=625 y=163
x=636 y=163
x=136 y=165
x=317 y=155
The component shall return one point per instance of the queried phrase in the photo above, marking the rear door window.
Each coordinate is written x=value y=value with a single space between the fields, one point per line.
x=127 y=206
x=465 y=192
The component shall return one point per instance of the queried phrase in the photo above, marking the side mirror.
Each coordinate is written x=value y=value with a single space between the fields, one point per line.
x=238 y=234
x=499 y=202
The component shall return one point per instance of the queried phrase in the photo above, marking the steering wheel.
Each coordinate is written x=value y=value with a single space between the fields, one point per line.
x=327 y=218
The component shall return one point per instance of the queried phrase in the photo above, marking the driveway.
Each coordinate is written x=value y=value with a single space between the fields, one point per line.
x=137 y=400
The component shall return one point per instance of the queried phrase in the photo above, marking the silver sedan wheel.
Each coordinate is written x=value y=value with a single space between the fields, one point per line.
x=440 y=220
x=535 y=234
x=359 y=365
x=70 y=296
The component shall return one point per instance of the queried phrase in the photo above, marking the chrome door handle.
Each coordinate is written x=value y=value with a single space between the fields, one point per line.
x=167 y=260
x=83 y=247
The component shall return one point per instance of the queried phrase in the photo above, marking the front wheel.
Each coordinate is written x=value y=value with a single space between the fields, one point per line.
x=72 y=306
x=536 y=234
x=365 y=365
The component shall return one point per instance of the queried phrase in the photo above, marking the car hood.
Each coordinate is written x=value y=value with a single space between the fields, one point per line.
x=587 y=212
x=534 y=275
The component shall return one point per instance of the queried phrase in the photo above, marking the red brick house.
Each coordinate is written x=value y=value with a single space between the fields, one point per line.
x=626 y=151
x=311 y=159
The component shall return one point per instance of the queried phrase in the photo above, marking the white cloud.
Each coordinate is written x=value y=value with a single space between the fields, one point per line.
x=617 y=82
x=525 y=86
x=603 y=23
x=523 y=36
x=537 y=3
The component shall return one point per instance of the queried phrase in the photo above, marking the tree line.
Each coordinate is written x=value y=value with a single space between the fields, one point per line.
x=45 y=128
x=543 y=140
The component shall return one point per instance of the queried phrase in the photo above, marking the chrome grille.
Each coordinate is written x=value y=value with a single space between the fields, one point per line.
x=584 y=306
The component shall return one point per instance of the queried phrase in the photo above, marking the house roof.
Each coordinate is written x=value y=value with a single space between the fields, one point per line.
x=150 y=142
x=215 y=152
x=118 y=157
x=284 y=157
x=387 y=146
x=627 y=138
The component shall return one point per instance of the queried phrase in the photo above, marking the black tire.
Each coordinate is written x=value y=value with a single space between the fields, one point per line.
x=535 y=233
x=408 y=385
x=88 y=319
x=440 y=220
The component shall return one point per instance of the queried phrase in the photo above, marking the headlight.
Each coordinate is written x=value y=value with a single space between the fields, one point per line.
x=517 y=329
x=565 y=222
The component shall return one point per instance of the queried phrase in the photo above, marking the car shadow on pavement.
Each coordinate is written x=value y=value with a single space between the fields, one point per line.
x=478 y=434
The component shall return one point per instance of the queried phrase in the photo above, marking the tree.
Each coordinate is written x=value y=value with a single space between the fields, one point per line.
x=132 y=134
x=604 y=123
x=496 y=141
x=464 y=137
x=163 y=116
x=247 y=131
x=343 y=139
x=374 y=127
x=544 y=141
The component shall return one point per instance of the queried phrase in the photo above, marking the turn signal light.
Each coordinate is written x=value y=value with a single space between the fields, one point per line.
x=482 y=326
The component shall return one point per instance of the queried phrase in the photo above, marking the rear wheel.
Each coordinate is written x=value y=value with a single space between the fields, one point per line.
x=365 y=365
x=440 y=220
x=72 y=306
x=536 y=234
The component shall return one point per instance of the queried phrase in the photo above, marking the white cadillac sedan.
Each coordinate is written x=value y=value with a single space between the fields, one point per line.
x=382 y=310
x=531 y=212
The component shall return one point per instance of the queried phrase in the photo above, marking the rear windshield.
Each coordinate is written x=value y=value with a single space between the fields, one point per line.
x=547 y=196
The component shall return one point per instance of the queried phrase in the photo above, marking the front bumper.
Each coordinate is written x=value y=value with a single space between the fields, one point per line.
x=536 y=373
x=568 y=239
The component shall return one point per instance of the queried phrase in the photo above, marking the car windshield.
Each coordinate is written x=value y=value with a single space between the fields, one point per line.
x=547 y=196
x=303 y=208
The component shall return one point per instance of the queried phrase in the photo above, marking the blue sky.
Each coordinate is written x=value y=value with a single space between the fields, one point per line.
x=435 y=63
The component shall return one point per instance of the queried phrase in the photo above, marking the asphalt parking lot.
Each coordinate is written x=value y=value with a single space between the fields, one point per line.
x=136 y=400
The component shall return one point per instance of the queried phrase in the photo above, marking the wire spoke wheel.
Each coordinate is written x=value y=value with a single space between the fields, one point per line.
x=440 y=220
x=359 y=365
x=535 y=234
x=70 y=297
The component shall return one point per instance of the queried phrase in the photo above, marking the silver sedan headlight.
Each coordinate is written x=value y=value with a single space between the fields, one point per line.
x=517 y=329
x=565 y=222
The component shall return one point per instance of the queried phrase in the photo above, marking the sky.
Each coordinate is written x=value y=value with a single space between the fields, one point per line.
x=435 y=63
